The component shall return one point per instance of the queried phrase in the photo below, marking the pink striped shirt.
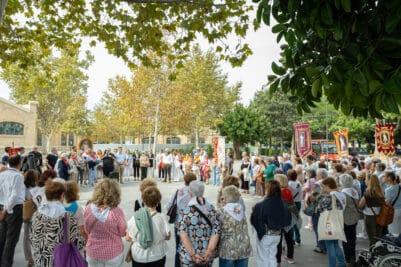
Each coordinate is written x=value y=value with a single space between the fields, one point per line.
x=105 y=238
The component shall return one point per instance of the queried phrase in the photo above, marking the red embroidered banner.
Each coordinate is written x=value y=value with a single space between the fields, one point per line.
x=385 y=138
x=341 y=138
x=303 y=138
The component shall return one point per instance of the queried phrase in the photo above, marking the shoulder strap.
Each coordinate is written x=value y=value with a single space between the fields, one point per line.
x=203 y=215
x=395 y=200
x=175 y=197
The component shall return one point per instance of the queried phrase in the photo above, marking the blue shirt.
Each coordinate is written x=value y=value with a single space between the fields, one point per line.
x=121 y=158
x=391 y=193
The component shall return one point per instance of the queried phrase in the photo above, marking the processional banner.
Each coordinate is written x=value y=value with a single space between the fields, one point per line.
x=385 y=138
x=219 y=149
x=303 y=139
x=341 y=138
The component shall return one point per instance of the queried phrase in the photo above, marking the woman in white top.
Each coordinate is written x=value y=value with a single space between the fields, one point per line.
x=138 y=231
x=392 y=195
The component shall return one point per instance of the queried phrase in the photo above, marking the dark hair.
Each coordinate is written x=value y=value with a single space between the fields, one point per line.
x=292 y=175
x=30 y=178
x=321 y=165
x=391 y=175
x=151 y=196
x=353 y=174
x=330 y=182
x=311 y=157
x=230 y=180
x=54 y=190
x=272 y=187
x=14 y=161
x=189 y=177
x=312 y=173
x=45 y=176
x=339 y=168
x=72 y=191
x=381 y=166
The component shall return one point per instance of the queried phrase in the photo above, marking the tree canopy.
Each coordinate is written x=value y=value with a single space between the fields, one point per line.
x=59 y=85
x=129 y=29
x=242 y=125
x=347 y=50
x=149 y=103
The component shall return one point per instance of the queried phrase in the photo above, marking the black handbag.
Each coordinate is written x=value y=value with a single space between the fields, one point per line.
x=172 y=211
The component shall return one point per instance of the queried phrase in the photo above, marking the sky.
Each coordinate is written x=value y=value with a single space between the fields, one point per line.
x=253 y=73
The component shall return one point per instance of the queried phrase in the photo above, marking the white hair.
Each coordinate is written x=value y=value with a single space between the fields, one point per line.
x=197 y=188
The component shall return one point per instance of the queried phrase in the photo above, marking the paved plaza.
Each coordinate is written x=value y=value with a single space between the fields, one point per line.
x=304 y=255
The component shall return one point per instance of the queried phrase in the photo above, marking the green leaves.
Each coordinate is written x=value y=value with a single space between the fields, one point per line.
x=277 y=69
x=348 y=48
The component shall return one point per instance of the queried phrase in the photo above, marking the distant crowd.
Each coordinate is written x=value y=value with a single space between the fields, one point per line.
x=336 y=195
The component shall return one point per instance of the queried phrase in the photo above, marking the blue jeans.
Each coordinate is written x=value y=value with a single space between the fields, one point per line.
x=335 y=253
x=297 y=235
x=315 y=220
x=92 y=176
x=216 y=176
x=233 y=263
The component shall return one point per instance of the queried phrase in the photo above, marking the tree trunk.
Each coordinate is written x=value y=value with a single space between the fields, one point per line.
x=196 y=134
x=156 y=126
x=3 y=4
x=47 y=137
x=236 y=150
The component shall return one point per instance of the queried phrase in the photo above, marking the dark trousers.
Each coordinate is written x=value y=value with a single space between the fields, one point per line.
x=80 y=178
x=290 y=245
x=161 y=173
x=10 y=229
x=296 y=233
x=315 y=221
x=159 y=263
x=136 y=171
x=167 y=171
x=177 y=243
x=349 y=246
x=144 y=172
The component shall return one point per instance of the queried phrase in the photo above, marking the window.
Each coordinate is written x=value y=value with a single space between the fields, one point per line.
x=174 y=140
x=63 y=140
x=145 y=140
x=71 y=139
x=11 y=128
x=201 y=140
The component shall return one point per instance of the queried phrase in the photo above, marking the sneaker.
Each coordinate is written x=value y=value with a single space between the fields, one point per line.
x=298 y=243
x=362 y=236
x=289 y=260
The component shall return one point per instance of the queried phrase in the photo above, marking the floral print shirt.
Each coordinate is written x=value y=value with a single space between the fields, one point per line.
x=198 y=230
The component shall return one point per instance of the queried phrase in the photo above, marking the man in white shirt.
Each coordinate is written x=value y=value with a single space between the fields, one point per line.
x=12 y=195
x=167 y=160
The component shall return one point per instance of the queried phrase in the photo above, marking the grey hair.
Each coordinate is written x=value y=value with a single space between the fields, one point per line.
x=346 y=180
x=322 y=172
x=231 y=194
x=197 y=188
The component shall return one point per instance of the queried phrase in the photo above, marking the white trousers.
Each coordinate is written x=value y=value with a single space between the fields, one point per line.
x=395 y=227
x=115 y=262
x=266 y=250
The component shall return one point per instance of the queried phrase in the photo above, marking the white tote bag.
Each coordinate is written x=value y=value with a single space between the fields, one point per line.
x=331 y=223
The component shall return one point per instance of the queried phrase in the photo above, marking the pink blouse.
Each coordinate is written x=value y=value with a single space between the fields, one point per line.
x=105 y=238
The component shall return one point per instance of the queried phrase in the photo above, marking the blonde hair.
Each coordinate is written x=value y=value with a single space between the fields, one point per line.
x=282 y=179
x=374 y=188
x=147 y=182
x=107 y=193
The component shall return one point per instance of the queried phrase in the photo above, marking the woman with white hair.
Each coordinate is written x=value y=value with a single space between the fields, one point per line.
x=235 y=247
x=351 y=216
x=198 y=228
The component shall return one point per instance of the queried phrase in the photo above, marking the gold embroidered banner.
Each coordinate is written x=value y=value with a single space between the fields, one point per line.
x=303 y=138
x=385 y=138
x=341 y=138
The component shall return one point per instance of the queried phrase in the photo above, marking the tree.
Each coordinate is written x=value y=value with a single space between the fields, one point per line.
x=78 y=118
x=278 y=114
x=241 y=126
x=168 y=101
x=346 y=50
x=130 y=29
x=55 y=82
x=206 y=92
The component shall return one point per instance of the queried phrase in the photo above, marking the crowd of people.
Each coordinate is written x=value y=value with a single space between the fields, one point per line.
x=46 y=204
